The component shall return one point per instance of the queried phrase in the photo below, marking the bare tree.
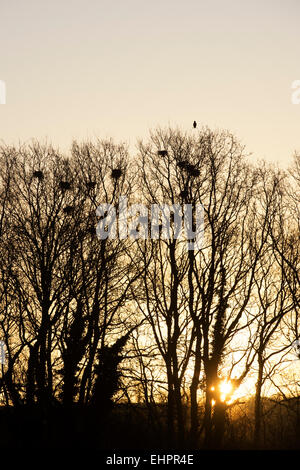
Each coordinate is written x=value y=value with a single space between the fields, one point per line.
x=203 y=292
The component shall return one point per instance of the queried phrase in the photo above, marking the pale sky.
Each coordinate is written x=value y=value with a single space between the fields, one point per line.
x=80 y=69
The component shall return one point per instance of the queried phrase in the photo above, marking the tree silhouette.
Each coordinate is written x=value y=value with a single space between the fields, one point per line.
x=140 y=321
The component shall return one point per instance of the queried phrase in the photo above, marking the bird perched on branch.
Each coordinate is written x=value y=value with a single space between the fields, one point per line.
x=194 y=124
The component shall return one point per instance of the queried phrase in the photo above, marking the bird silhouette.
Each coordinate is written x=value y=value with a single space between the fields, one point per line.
x=194 y=124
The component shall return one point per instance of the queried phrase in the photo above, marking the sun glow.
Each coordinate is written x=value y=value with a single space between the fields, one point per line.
x=225 y=389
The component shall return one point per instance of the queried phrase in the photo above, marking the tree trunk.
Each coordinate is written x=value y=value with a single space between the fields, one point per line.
x=257 y=406
x=180 y=435
x=208 y=419
x=170 y=410
x=32 y=366
x=219 y=420
x=194 y=425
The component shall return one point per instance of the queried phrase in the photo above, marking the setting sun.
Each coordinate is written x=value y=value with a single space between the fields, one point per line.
x=225 y=388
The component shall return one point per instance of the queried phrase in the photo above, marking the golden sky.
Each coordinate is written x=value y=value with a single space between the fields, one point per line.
x=79 y=69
